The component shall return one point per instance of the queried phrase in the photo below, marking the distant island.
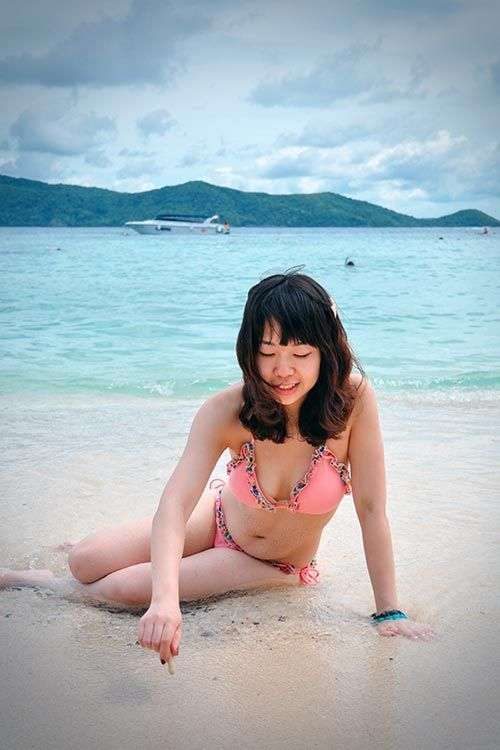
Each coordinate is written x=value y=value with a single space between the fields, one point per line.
x=32 y=203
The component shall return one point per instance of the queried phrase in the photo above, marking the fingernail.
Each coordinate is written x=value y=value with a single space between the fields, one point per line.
x=163 y=661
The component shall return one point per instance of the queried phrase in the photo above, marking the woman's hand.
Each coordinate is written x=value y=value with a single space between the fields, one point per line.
x=160 y=629
x=408 y=628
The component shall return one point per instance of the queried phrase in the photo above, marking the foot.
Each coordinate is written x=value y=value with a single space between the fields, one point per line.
x=26 y=578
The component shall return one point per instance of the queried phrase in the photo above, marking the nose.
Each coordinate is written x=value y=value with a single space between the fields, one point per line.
x=283 y=368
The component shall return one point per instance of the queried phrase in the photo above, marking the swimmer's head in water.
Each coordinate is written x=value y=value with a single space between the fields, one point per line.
x=298 y=311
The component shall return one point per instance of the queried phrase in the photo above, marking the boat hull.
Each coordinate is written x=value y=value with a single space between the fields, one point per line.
x=159 y=229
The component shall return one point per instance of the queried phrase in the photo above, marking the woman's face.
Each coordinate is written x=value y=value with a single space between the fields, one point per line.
x=290 y=370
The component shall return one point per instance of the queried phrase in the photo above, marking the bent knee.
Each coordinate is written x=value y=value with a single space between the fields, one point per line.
x=82 y=563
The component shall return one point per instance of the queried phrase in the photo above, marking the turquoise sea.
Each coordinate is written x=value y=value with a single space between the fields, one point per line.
x=107 y=311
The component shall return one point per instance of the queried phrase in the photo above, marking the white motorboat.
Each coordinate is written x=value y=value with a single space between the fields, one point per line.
x=179 y=223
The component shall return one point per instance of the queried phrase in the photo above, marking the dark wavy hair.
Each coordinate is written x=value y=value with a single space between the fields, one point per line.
x=305 y=314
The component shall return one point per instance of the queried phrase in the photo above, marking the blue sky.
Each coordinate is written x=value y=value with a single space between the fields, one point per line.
x=394 y=102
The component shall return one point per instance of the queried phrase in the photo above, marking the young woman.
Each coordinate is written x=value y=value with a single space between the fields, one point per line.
x=300 y=418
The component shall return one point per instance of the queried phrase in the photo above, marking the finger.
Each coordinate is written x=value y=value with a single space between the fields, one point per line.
x=387 y=630
x=165 y=645
x=389 y=625
x=407 y=630
x=157 y=635
x=148 y=634
x=426 y=633
x=396 y=628
x=410 y=632
x=421 y=631
x=382 y=630
x=140 y=631
x=174 y=646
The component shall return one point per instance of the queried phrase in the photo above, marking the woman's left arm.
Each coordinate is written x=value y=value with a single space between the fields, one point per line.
x=366 y=457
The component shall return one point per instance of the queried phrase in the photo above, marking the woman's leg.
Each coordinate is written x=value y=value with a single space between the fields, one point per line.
x=112 y=549
x=208 y=573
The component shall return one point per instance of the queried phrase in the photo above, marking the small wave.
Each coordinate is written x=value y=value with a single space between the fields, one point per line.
x=195 y=388
x=473 y=381
x=442 y=397
x=160 y=389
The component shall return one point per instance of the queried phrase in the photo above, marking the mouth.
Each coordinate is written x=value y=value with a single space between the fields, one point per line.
x=287 y=388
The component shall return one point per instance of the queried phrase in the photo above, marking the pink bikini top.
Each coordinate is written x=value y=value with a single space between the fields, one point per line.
x=321 y=489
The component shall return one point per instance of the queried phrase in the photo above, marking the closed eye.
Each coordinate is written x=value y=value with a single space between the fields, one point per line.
x=300 y=356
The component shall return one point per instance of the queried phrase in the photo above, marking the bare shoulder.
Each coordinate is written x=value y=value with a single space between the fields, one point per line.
x=226 y=403
x=365 y=399
x=220 y=412
x=357 y=380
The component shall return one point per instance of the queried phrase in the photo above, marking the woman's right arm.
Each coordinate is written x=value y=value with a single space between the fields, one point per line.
x=160 y=627
x=184 y=488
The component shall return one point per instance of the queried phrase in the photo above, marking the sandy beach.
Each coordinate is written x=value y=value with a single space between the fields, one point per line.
x=288 y=668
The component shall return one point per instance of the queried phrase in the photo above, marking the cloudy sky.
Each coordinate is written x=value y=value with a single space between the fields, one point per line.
x=395 y=102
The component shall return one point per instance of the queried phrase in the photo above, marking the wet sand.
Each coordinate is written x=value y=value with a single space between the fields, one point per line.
x=288 y=668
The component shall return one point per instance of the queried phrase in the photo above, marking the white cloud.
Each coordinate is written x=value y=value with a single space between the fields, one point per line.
x=137 y=48
x=324 y=134
x=358 y=162
x=344 y=75
x=98 y=159
x=157 y=122
x=135 y=153
x=32 y=166
x=60 y=130
x=495 y=74
x=143 y=168
x=132 y=185
x=414 y=151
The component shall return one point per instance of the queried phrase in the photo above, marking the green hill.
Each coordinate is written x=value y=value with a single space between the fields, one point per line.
x=31 y=203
